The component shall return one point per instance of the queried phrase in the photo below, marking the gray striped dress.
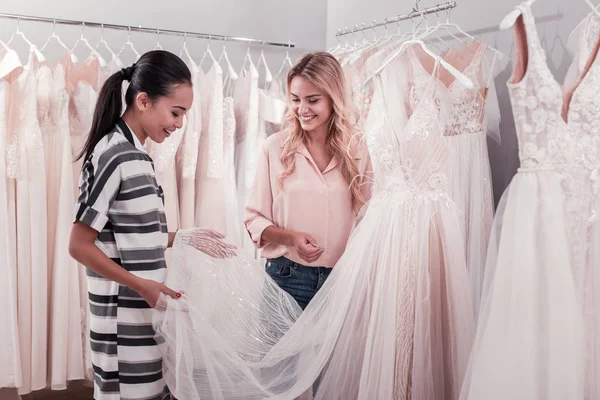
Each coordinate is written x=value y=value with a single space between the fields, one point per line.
x=120 y=198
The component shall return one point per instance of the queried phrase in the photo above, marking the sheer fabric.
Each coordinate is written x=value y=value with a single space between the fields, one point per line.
x=391 y=321
x=537 y=336
x=470 y=184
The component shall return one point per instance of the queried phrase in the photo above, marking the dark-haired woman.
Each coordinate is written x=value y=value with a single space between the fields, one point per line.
x=120 y=231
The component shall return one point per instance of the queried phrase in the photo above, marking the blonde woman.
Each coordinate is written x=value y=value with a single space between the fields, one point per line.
x=393 y=320
x=305 y=196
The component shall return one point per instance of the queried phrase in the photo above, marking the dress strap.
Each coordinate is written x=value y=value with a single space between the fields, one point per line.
x=534 y=46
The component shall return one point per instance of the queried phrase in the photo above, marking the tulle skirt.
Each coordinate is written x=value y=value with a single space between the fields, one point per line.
x=530 y=334
x=393 y=320
x=470 y=187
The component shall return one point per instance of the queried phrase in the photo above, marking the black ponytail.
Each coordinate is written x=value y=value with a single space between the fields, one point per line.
x=155 y=73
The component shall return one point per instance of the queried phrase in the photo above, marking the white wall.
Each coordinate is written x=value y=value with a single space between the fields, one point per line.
x=556 y=19
x=275 y=20
x=310 y=24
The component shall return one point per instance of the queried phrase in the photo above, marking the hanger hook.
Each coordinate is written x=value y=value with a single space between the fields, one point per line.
x=129 y=34
x=447 y=15
x=18 y=24
x=397 y=20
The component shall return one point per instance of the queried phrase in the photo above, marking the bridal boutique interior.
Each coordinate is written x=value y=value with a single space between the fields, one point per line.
x=46 y=355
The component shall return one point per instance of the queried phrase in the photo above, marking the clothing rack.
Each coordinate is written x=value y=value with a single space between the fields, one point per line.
x=140 y=28
x=414 y=13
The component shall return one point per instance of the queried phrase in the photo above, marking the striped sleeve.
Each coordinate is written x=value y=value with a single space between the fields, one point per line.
x=99 y=185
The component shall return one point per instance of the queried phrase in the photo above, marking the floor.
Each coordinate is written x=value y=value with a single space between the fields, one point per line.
x=76 y=391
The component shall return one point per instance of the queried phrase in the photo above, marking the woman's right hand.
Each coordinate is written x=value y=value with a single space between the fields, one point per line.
x=307 y=247
x=151 y=290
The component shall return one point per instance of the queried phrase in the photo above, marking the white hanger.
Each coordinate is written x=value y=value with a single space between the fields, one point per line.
x=107 y=47
x=130 y=45
x=263 y=61
x=287 y=60
x=158 y=45
x=32 y=46
x=593 y=7
x=364 y=43
x=356 y=43
x=87 y=44
x=230 y=70
x=398 y=36
x=459 y=76
x=54 y=36
x=208 y=52
x=184 y=49
x=339 y=44
x=247 y=59
x=449 y=24
x=445 y=26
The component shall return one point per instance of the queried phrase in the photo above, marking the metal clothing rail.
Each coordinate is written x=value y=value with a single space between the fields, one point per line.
x=414 y=13
x=140 y=28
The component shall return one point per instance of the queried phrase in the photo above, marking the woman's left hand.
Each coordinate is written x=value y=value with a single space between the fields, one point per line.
x=209 y=242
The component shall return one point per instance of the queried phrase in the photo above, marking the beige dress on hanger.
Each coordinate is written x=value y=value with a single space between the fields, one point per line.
x=83 y=89
x=186 y=158
x=26 y=153
x=65 y=347
x=10 y=356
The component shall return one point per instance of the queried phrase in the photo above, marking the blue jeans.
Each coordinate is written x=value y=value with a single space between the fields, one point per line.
x=300 y=281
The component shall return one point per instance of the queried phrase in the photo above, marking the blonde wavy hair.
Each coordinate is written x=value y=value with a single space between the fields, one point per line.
x=325 y=72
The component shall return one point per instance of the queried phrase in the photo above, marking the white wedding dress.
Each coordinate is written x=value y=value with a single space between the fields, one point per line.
x=537 y=334
x=393 y=320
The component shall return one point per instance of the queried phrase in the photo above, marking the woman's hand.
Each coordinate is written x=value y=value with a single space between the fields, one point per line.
x=307 y=247
x=151 y=290
x=209 y=242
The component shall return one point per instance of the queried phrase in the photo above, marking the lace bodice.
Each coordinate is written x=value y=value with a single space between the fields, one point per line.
x=467 y=114
x=30 y=158
x=228 y=128
x=408 y=153
x=213 y=113
x=187 y=154
x=355 y=69
x=53 y=100
x=82 y=103
x=545 y=138
x=548 y=141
